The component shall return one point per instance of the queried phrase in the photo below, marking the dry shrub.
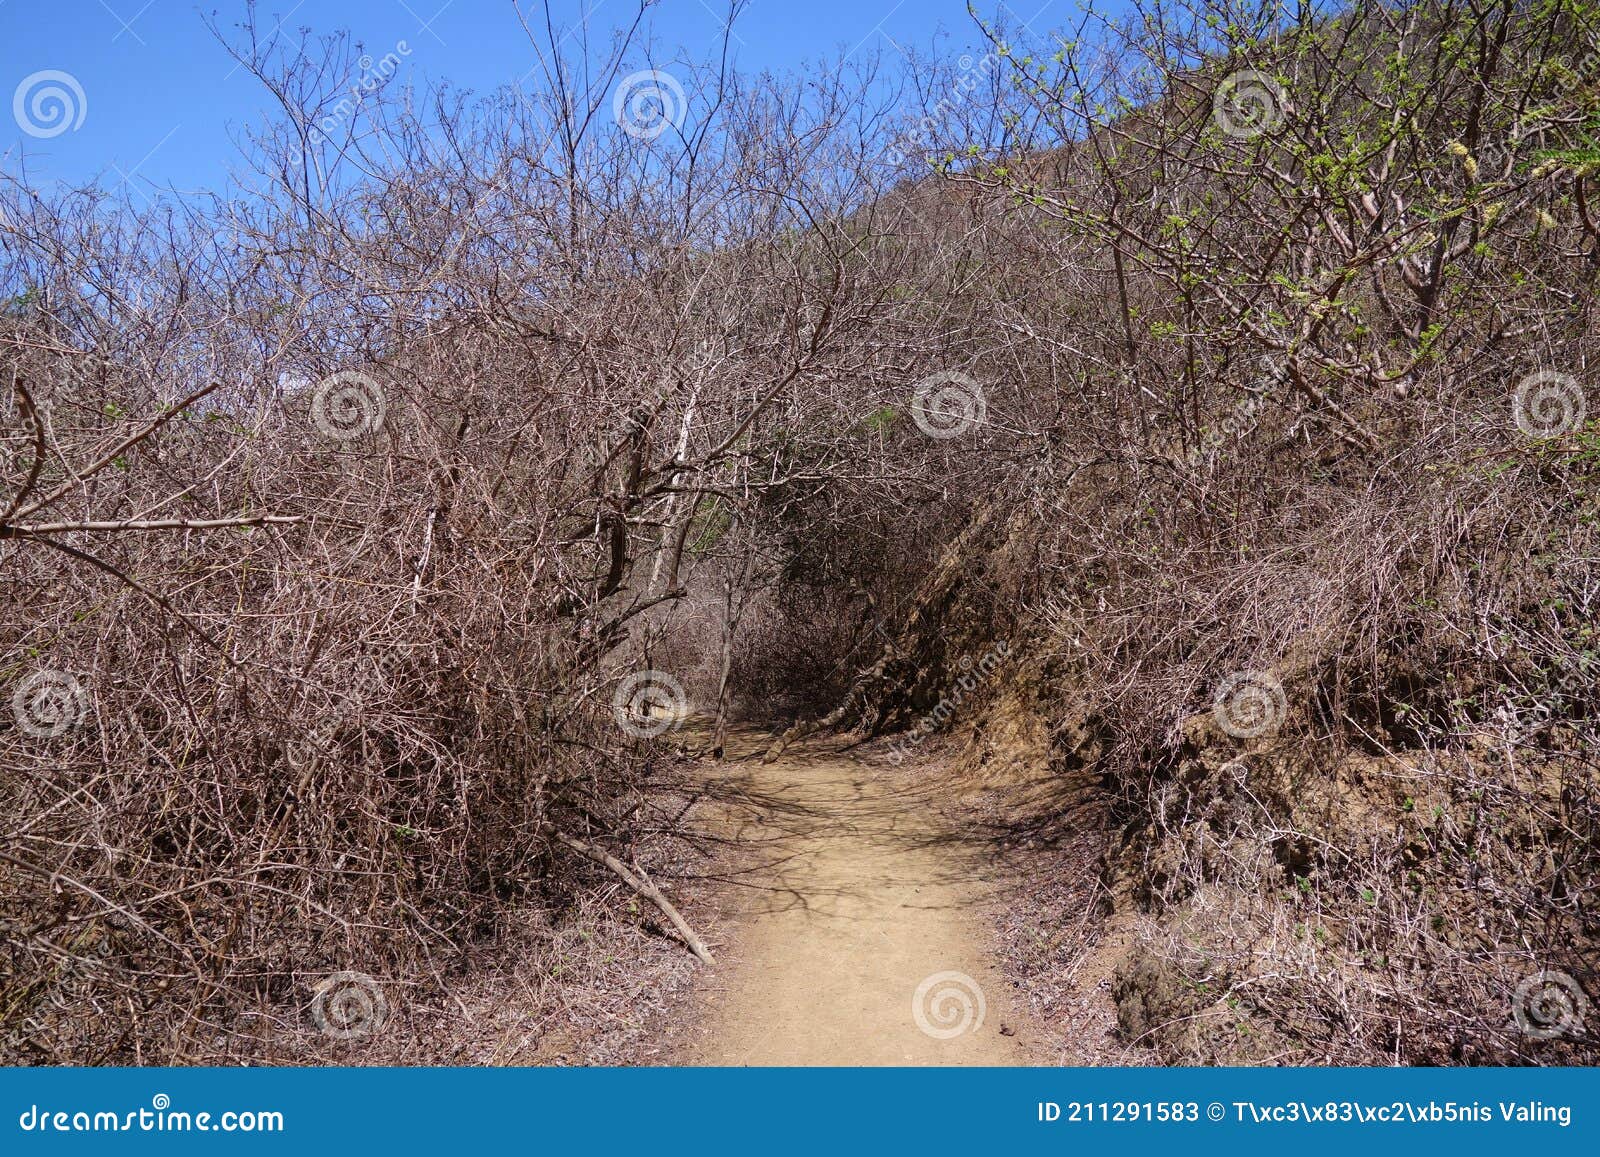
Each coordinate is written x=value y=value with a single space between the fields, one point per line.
x=1267 y=408
x=1238 y=402
x=348 y=506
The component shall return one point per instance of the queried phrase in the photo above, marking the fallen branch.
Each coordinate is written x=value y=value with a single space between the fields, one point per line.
x=640 y=884
x=855 y=701
x=20 y=529
x=802 y=729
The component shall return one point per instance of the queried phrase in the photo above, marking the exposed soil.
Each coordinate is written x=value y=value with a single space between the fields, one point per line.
x=857 y=894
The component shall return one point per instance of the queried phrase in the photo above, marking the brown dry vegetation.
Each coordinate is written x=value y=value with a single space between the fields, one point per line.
x=1288 y=447
x=1248 y=405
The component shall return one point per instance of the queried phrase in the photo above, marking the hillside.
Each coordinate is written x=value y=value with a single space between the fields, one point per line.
x=1158 y=466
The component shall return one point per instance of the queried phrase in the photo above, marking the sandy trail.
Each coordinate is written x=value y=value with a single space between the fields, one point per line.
x=860 y=900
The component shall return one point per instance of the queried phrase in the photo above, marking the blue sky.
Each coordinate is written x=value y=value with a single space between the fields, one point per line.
x=163 y=103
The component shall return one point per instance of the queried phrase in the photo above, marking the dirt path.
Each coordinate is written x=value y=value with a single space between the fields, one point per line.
x=861 y=938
